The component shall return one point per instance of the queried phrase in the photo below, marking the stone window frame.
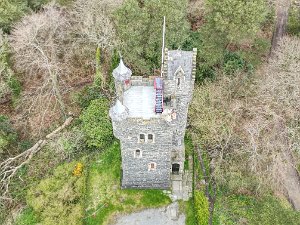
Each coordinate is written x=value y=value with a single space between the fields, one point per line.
x=141 y=140
x=179 y=75
x=135 y=155
x=153 y=138
x=146 y=138
x=152 y=166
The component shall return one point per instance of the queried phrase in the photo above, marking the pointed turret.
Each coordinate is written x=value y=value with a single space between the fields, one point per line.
x=122 y=73
x=118 y=112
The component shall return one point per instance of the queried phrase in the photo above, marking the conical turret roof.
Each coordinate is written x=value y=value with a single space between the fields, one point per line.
x=118 y=112
x=122 y=72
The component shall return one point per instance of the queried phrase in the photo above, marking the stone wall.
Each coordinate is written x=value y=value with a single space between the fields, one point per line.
x=168 y=144
x=136 y=173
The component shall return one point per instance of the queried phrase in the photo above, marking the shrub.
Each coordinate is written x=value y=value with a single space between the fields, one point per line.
x=204 y=72
x=8 y=136
x=293 y=26
x=233 y=62
x=8 y=83
x=59 y=198
x=202 y=208
x=70 y=144
x=88 y=94
x=96 y=124
x=10 y=12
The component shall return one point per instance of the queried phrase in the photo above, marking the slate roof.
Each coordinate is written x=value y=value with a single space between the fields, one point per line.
x=177 y=58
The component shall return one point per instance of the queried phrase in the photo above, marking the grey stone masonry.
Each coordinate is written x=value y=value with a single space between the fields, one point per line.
x=152 y=144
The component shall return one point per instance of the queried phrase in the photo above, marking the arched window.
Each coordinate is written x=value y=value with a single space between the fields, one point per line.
x=137 y=153
x=179 y=77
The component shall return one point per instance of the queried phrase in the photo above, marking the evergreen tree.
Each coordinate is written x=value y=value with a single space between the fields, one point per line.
x=139 y=26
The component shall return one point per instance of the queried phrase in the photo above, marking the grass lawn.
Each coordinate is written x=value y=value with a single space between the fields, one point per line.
x=104 y=198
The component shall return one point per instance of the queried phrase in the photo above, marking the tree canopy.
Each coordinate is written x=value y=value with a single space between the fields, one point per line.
x=139 y=26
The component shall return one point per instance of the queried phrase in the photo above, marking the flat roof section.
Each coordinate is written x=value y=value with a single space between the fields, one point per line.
x=140 y=101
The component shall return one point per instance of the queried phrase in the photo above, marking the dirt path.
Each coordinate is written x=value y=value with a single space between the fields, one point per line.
x=162 y=216
x=289 y=179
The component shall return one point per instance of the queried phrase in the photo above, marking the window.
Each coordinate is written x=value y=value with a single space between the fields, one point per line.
x=151 y=166
x=150 y=138
x=142 y=138
x=137 y=154
x=175 y=168
x=178 y=82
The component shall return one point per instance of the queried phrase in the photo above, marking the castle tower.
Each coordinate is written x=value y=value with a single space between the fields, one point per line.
x=149 y=118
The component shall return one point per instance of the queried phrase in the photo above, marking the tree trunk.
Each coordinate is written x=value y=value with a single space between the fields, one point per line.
x=57 y=94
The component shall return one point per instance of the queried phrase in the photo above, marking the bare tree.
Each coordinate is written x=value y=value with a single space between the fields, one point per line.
x=9 y=167
x=250 y=126
x=38 y=44
x=94 y=27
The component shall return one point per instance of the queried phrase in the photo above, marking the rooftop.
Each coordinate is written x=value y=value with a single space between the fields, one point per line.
x=140 y=101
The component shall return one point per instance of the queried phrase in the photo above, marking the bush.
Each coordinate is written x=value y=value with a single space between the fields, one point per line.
x=96 y=124
x=202 y=208
x=59 y=198
x=242 y=209
x=233 y=62
x=204 y=72
x=8 y=136
x=10 y=12
x=8 y=83
x=293 y=26
x=88 y=94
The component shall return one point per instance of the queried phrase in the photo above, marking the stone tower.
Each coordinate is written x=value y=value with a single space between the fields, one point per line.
x=149 y=118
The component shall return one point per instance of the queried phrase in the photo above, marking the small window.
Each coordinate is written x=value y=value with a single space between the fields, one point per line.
x=150 y=138
x=138 y=154
x=142 y=138
x=151 y=166
x=178 y=82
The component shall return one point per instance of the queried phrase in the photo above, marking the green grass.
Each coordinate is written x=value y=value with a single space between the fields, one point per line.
x=27 y=217
x=189 y=150
x=104 y=197
x=241 y=209
x=188 y=209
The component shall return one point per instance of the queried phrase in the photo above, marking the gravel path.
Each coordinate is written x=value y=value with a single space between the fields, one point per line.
x=162 y=216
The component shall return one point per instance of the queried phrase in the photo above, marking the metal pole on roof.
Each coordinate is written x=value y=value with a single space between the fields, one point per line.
x=163 y=48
